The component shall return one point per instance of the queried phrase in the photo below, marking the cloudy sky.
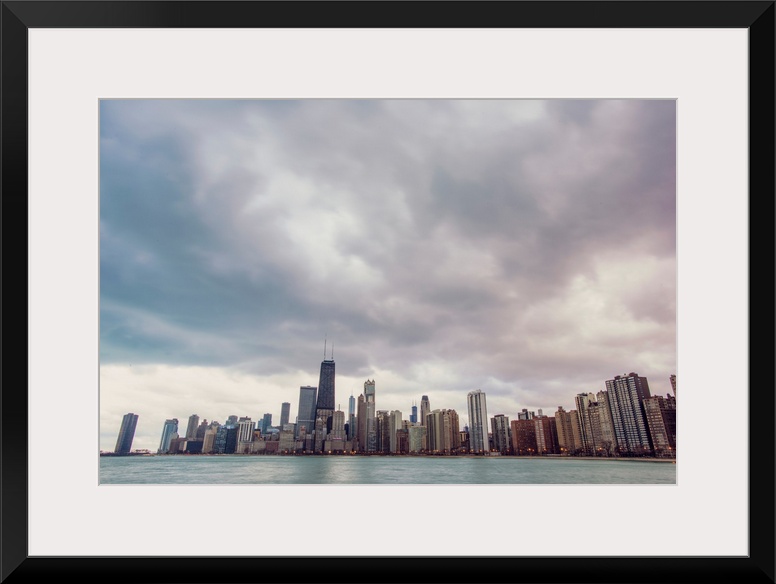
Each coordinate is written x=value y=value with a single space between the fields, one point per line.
x=525 y=248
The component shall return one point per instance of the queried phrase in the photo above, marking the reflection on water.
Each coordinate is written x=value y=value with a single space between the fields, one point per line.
x=366 y=470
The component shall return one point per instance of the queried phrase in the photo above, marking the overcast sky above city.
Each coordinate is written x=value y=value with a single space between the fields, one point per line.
x=525 y=248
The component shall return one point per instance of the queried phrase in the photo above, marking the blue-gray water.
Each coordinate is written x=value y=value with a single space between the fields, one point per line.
x=305 y=470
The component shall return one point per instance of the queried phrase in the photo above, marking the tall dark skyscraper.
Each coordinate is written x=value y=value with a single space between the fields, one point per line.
x=126 y=434
x=285 y=412
x=324 y=409
x=414 y=414
x=305 y=417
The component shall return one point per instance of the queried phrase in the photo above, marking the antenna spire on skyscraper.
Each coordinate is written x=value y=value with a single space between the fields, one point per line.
x=324 y=346
x=332 y=350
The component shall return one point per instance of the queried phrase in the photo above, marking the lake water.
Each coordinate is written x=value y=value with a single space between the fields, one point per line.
x=306 y=470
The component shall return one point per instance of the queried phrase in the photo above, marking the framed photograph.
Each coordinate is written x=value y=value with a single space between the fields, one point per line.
x=209 y=194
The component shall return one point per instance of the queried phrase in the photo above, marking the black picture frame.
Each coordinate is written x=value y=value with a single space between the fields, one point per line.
x=19 y=16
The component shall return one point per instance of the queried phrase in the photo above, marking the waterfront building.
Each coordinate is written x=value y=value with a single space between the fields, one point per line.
x=582 y=400
x=608 y=439
x=170 y=427
x=338 y=426
x=402 y=441
x=576 y=432
x=625 y=394
x=383 y=431
x=201 y=429
x=371 y=416
x=500 y=427
x=191 y=429
x=442 y=432
x=320 y=434
x=414 y=414
x=209 y=438
x=478 y=422
x=546 y=435
x=523 y=437
x=306 y=414
x=285 y=413
x=417 y=439
x=395 y=427
x=563 y=427
x=126 y=433
x=325 y=406
x=463 y=438
x=661 y=422
x=245 y=427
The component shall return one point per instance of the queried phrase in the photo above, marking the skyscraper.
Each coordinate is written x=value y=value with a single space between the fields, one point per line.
x=191 y=429
x=626 y=394
x=672 y=379
x=285 y=412
x=425 y=409
x=371 y=416
x=478 y=422
x=170 y=427
x=361 y=424
x=266 y=424
x=414 y=414
x=126 y=433
x=351 y=417
x=325 y=406
x=306 y=415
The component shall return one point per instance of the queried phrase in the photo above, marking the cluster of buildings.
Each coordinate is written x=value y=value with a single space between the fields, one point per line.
x=621 y=420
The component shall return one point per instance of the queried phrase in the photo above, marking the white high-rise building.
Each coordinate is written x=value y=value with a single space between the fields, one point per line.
x=478 y=422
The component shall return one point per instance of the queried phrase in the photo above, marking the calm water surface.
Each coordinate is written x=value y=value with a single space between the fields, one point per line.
x=306 y=470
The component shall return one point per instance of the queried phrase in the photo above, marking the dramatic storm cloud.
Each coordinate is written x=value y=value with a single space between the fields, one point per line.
x=525 y=248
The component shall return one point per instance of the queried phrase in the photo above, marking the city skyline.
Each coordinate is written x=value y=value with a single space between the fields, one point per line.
x=525 y=248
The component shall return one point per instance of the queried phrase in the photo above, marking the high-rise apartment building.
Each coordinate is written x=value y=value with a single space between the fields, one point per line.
x=169 y=429
x=565 y=434
x=126 y=433
x=546 y=435
x=661 y=422
x=523 y=437
x=626 y=394
x=442 y=431
x=582 y=401
x=305 y=417
x=500 y=428
x=191 y=429
x=417 y=437
x=478 y=422
x=285 y=414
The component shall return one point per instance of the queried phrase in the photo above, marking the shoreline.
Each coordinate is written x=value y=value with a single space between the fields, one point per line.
x=443 y=456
